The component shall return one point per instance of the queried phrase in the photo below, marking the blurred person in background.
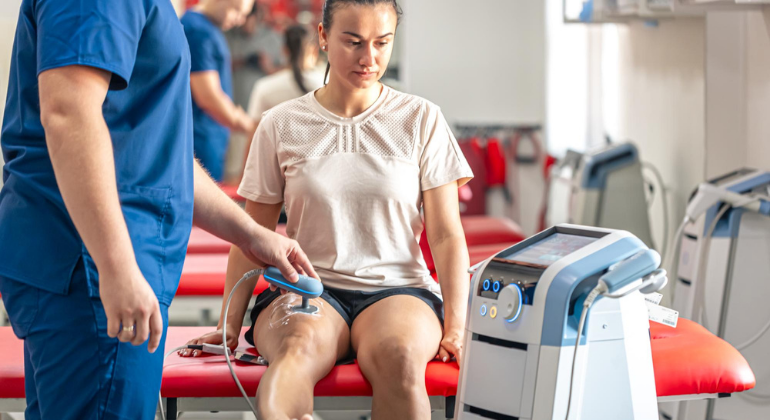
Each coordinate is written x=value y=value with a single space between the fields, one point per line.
x=302 y=76
x=214 y=112
x=257 y=51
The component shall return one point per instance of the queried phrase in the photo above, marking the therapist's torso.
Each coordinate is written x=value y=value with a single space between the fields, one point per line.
x=149 y=115
x=208 y=52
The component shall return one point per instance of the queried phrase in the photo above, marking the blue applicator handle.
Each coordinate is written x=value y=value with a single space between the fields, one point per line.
x=307 y=287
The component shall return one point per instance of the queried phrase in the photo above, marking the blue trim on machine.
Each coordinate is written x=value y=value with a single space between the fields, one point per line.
x=764 y=208
x=639 y=265
x=599 y=166
x=728 y=225
x=559 y=329
x=587 y=13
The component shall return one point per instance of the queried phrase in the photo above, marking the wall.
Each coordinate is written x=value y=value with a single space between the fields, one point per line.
x=654 y=95
x=758 y=89
x=482 y=62
x=738 y=91
x=567 y=82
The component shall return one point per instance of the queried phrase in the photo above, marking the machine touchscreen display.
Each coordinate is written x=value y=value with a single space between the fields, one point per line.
x=544 y=253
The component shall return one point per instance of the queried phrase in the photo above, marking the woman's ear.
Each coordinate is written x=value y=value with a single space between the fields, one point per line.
x=322 y=37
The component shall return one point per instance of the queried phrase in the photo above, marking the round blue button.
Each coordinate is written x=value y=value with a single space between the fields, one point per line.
x=496 y=286
x=483 y=310
x=486 y=284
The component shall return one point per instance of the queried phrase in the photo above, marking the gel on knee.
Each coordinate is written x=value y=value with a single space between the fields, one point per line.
x=307 y=287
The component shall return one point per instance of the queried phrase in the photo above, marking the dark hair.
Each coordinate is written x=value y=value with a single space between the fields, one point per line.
x=331 y=5
x=296 y=38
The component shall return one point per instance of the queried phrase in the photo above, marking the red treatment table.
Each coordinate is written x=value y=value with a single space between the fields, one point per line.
x=202 y=283
x=232 y=191
x=201 y=287
x=689 y=362
x=479 y=231
x=202 y=242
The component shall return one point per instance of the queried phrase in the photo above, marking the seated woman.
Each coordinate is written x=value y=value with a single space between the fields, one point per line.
x=355 y=162
x=302 y=76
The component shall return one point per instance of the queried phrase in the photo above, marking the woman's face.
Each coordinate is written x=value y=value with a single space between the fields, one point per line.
x=359 y=43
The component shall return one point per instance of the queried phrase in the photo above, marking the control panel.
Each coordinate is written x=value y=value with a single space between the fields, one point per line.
x=506 y=288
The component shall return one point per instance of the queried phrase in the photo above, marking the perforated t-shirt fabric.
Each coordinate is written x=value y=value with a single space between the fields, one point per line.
x=352 y=187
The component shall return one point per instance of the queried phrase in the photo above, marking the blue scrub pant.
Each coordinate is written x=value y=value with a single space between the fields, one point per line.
x=72 y=368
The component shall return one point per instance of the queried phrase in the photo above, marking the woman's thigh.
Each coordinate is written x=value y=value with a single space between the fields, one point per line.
x=278 y=332
x=401 y=323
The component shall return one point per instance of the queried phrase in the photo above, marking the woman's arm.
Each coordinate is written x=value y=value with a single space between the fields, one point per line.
x=237 y=265
x=447 y=244
x=265 y=215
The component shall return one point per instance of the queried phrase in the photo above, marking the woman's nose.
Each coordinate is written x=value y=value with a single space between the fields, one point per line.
x=368 y=58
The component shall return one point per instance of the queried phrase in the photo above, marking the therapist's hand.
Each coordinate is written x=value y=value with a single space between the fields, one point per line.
x=129 y=300
x=265 y=247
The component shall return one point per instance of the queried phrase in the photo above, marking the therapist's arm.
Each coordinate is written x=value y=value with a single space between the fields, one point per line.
x=450 y=253
x=208 y=95
x=81 y=153
x=265 y=215
x=216 y=213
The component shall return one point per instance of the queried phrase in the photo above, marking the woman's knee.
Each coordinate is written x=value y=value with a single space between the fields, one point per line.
x=396 y=362
x=300 y=342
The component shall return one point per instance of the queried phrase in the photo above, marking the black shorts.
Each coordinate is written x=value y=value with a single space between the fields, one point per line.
x=350 y=303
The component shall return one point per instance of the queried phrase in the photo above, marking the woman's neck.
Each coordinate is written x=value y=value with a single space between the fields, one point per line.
x=345 y=102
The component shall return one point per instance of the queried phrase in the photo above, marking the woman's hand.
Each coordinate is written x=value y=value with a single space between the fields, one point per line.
x=452 y=345
x=214 y=338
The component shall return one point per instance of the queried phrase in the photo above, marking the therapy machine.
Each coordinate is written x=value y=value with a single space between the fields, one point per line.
x=723 y=280
x=558 y=328
x=603 y=187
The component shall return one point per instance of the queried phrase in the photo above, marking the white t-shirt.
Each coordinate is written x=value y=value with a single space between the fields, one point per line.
x=280 y=87
x=352 y=187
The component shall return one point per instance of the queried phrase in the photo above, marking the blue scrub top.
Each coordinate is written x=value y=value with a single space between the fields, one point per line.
x=148 y=111
x=209 y=51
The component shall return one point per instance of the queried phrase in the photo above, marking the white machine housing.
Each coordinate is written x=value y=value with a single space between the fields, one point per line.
x=521 y=329
x=730 y=296
x=606 y=189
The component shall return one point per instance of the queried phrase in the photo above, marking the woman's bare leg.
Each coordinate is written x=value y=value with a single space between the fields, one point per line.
x=300 y=352
x=394 y=340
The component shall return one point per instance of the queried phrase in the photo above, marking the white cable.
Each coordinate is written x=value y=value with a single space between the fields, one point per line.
x=599 y=289
x=705 y=248
x=702 y=266
x=226 y=351
x=755 y=398
x=669 y=258
x=664 y=202
x=160 y=397
x=755 y=338
x=248 y=275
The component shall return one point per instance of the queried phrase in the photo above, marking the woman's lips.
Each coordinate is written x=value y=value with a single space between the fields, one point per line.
x=365 y=74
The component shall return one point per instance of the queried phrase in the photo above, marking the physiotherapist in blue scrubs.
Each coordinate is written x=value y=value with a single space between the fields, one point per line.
x=101 y=190
x=214 y=113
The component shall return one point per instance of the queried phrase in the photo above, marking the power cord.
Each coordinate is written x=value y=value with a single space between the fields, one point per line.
x=218 y=349
x=169 y=353
x=598 y=290
x=664 y=202
x=248 y=275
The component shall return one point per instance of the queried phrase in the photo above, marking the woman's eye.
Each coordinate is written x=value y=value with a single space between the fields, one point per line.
x=383 y=43
x=354 y=43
